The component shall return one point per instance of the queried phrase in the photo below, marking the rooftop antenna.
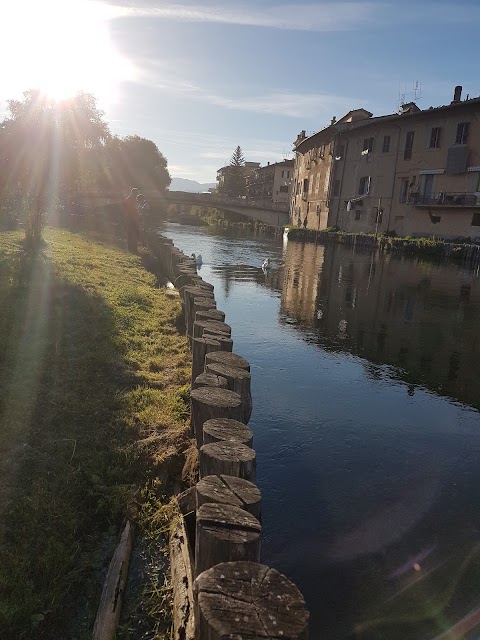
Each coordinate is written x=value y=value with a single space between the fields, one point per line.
x=401 y=97
x=417 y=90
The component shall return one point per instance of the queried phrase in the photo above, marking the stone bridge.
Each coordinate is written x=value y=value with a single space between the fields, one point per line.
x=275 y=214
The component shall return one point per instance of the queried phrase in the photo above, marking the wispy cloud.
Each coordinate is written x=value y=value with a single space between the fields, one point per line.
x=306 y=16
x=329 y=16
x=272 y=102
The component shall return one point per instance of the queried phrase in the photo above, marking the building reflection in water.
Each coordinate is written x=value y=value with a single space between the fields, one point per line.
x=419 y=317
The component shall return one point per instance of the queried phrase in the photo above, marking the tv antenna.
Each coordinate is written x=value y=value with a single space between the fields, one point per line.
x=417 y=90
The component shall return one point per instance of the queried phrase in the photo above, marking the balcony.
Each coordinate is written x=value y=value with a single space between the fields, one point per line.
x=450 y=199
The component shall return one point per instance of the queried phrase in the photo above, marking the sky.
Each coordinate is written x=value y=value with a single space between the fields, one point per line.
x=201 y=78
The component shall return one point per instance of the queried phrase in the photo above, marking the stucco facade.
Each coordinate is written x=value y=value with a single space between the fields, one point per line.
x=416 y=173
x=271 y=183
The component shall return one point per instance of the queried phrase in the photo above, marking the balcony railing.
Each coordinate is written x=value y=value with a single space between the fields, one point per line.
x=444 y=199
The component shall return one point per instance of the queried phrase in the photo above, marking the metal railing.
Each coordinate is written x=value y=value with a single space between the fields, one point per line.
x=444 y=199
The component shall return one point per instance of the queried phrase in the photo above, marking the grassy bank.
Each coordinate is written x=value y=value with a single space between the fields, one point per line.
x=429 y=247
x=93 y=406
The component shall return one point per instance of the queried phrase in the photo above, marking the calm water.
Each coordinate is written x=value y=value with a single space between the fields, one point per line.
x=366 y=381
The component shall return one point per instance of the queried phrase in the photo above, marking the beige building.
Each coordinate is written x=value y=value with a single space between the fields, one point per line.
x=248 y=169
x=272 y=183
x=414 y=173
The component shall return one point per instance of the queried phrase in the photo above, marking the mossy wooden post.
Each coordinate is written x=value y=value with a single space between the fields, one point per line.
x=200 y=348
x=238 y=380
x=225 y=533
x=227 y=458
x=229 y=490
x=209 y=380
x=209 y=403
x=226 y=343
x=224 y=429
x=248 y=600
x=229 y=360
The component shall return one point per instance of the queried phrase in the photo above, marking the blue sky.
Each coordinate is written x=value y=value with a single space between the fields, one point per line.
x=204 y=77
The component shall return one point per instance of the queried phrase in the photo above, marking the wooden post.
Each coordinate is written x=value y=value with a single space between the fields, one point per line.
x=210 y=314
x=229 y=360
x=229 y=490
x=229 y=459
x=209 y=380
x=225 y=533
x=209 y=403
x=238 y=380
x=226 y=343
x=248 y=600
x=200 y=325
x=200 y=348
x=224 y=429
x=108 y=614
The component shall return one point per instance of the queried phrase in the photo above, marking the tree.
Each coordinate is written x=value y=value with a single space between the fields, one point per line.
x=49 y=152
x=137 y=162
x=234 y=182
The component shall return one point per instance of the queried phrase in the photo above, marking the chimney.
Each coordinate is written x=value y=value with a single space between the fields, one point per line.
x=334 y=119
x=457 y=96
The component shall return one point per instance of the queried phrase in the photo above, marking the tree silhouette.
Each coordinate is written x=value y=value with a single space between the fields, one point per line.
x=49 y=152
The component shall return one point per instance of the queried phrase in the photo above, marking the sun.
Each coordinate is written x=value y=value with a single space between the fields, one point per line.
x=60 y=47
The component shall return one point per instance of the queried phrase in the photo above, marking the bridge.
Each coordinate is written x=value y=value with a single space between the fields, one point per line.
x=275 y=214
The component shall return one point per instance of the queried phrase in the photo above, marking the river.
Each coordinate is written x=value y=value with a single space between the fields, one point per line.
x=366 y=391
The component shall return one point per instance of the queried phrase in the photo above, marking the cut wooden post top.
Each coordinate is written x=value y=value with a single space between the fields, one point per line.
x=209 y=380
x=228 y=359
x=218 y=397
x=249 y=601
x=218 y=429
x=229 y=490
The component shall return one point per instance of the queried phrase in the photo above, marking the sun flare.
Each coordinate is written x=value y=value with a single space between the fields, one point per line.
x=60 y=47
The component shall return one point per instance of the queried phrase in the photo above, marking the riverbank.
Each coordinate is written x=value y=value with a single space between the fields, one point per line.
x=432 y=247
x=94 y=402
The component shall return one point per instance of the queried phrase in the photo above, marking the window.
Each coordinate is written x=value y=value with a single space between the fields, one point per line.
x=305 y=185
x=285 y=174
x=462 y=133
x=403 y=190
x=340 y=152
x=364 y=186
x=407 y=153
x=386 y=144
x=435 y=138
x=368 y=144
x=284 y=188
x=321 y=151
x=358 y=213
x=336 y=187
x=476 y=220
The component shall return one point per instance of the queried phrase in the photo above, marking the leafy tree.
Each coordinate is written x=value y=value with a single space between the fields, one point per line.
x=234 y=183
x=136 y=162
x=49 y=150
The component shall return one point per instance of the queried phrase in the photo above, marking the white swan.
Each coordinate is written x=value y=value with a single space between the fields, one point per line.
x=266 y=264
x=198 y=259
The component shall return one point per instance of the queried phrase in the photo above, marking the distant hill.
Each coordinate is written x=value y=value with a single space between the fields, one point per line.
x=182 y=184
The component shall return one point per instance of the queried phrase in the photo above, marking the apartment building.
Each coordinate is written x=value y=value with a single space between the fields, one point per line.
x=223 y=172
x=414 y=173
x=271 y=183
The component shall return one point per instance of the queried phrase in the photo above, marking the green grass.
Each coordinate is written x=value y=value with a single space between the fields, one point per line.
x=93 y=406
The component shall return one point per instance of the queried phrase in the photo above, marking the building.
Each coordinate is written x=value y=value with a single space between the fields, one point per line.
x=222 y=173
x=271 y=183
x=413 y=173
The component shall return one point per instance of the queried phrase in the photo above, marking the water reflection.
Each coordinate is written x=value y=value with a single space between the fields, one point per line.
x=420 y=317
x=369 y=472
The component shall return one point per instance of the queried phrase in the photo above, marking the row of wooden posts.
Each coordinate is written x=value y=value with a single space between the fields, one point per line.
x=234 y=595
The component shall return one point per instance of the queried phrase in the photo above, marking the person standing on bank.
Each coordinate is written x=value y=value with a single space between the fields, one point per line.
x=132 y=221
